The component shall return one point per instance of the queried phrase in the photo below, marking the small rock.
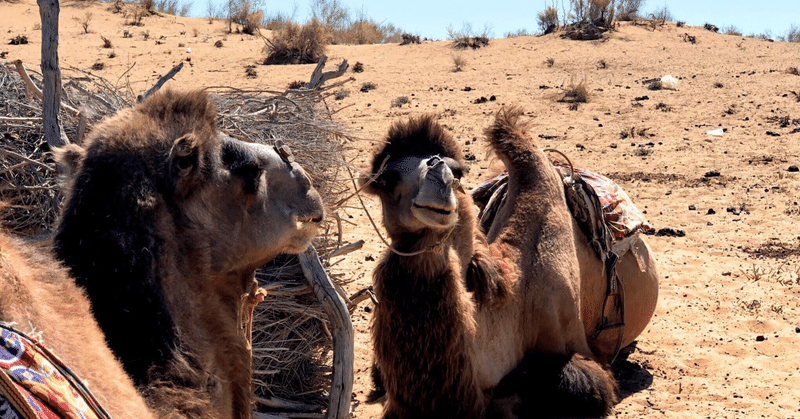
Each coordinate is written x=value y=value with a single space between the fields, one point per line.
x=467 y=89
x=793 y=168
x=492 y=98
x=797 y=329
x=712 y=173
x=640 y=98
x=670 y=232
x=711 y=211
x=760 y=338
x=367 y=309
x=469 y=157
x=369 y=258
x=773 y=134
x=692 y=208
x=613 y=145
x=726 y=273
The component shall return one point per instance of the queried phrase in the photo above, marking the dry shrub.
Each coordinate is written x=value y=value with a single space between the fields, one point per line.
x=341 y=94
x=548 y=20
x=250 y=72
x=399 y=101
x=84 y=21
x=459 y=62
x=575 y=94
x=793 y=70
x=218 y=44
x=367 y=86
x=18 y=40
x=106 y=42
x=365 y=32
x=295 y=44
x=172 y=7
x=358 y=67
x=793 y=34
x=711 y=27
x=466 y=38
x=550 y=62
x=628 y=10
x=410 y=39
x=98 y=66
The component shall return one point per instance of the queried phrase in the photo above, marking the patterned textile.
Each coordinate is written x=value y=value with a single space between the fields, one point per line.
x=619 y=213
x=50 y=389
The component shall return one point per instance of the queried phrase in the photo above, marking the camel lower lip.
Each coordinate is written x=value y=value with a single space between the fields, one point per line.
x=436 y=210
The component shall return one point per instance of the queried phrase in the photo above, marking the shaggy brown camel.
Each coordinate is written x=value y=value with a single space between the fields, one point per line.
x=471 y=325
x=165 y=222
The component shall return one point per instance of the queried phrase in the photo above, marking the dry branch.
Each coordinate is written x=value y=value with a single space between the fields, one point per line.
x=343 y=343
x=160 y=82
x=318 y=78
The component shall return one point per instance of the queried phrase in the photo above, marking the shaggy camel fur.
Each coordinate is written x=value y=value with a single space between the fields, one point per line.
x=470 y=325
x=38 y=297
x=165 y=222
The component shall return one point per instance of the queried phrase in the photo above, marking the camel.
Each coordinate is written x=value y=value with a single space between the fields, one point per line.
x=500 y=324
x=164 y=224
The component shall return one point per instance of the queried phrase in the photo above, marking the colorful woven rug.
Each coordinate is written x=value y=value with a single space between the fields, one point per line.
x=34 y=383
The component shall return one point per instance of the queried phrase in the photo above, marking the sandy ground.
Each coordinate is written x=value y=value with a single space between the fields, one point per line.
x=725 y=338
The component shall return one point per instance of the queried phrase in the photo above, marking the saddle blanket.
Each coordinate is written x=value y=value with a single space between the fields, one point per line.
x=619 y=214
x=34 y=383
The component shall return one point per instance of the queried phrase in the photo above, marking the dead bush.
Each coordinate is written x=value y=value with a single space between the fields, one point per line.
x=410 y=39
x=793 y=70
x=466 y=38
x=341 y=94
x=297 y=84
x=575 y=93
x=18 y=40
x=365 y=31
x=548 y=20
x=711 y=27
x=250 y=72
x=550 y=62
x=358 y=67
x=399 y=101
x=98 y=66
x=459 y=62
x=628 y=10
x=367 y=86
x=84 y=21
x=295 y=44
x=106 y=42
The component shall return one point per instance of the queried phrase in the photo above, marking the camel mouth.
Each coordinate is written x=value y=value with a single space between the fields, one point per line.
x=436 y=210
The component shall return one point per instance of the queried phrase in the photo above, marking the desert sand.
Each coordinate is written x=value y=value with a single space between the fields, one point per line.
x=725 y=338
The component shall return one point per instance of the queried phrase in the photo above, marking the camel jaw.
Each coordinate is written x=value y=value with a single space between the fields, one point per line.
x=433 y=215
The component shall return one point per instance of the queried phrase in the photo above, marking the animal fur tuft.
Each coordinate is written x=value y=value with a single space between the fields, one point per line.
x=420 y=136
x=509 y=136
x=545 y=385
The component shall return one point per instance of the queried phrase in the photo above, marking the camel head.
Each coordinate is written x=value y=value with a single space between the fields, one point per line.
x=164 y=224
x=420 y=180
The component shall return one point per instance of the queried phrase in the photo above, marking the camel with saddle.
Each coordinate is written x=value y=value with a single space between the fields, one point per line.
x=517 y=317
x=143 y=291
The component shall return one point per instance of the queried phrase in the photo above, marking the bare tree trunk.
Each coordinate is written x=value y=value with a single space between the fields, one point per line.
x=51 y=104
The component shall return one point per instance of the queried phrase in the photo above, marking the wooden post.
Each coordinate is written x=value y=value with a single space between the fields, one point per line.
x=51 y=103
x=342 y=331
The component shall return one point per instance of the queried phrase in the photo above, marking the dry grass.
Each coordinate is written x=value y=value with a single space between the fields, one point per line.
x=399 y=101
x=295 y=44
x=459 y=62
x=106 y=42
x=575 y=93
x=409 y=39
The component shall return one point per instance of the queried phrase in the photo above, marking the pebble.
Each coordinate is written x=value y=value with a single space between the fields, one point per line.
x=712 y=173
x=711 y=211
x=692 y=208
x=793 y=168
x=760 y=338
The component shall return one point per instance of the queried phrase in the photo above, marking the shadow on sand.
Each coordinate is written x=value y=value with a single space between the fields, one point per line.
x=632 y=377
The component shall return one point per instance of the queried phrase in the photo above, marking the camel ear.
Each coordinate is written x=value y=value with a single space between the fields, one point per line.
x=185 y=160
x=385 y=183
x=68 y=162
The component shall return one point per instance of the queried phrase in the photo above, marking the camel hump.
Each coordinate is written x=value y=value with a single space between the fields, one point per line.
x=509 y=136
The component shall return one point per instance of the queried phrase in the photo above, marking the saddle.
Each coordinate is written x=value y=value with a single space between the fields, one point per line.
x=605 y=214
x=35 y=383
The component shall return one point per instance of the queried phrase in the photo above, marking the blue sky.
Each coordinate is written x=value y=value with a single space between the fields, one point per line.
x=431 y=18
